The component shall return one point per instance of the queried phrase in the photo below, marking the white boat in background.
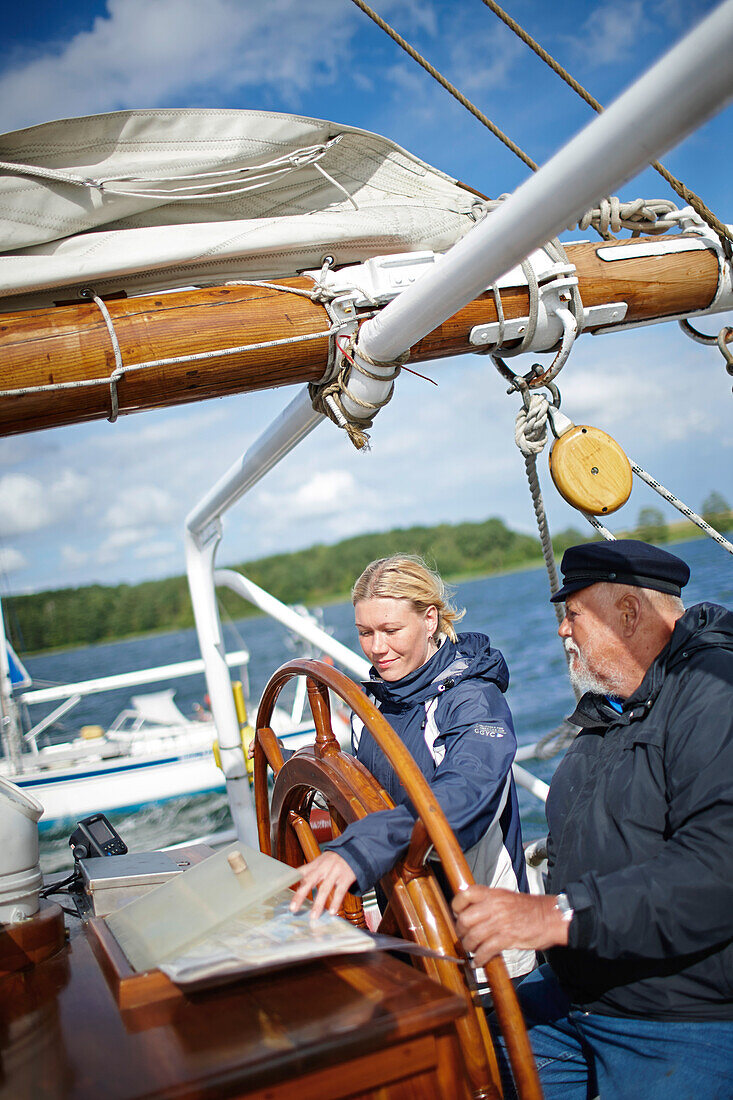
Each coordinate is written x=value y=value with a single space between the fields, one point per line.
x=151 y=752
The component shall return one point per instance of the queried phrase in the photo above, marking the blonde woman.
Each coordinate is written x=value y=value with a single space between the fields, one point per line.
x=443 y=693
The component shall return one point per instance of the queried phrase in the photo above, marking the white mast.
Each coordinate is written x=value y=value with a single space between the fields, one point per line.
x=8 y=710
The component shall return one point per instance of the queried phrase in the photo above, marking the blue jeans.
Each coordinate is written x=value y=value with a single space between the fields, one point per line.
x=581 y=1055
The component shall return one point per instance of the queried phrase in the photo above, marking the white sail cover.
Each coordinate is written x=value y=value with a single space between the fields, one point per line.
x=140 y=201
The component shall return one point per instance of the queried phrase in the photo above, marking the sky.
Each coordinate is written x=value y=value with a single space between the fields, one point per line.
x=107 y=503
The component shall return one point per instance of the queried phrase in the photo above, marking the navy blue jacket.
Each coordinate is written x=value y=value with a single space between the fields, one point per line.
x=452 y=716
x=641 y=836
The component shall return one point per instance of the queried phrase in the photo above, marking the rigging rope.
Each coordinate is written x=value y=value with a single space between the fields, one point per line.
x=688 y=196
x=530 y=435
x=681 y=507
x=119 y=370
x=638 y=215
x=511 y=145
x=327 y=398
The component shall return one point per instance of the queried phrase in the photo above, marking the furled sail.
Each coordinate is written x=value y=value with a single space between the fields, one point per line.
x=102 y=214
x=150 y=200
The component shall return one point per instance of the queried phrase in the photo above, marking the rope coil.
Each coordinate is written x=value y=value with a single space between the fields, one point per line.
x=328 y=398
x=650 y=216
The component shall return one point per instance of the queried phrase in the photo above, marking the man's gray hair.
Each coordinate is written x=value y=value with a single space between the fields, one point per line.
x=611 y=593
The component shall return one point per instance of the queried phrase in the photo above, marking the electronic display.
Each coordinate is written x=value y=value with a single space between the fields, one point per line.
x=100 y=830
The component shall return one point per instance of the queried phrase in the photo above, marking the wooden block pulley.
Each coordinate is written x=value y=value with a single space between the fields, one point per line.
x=590 y=470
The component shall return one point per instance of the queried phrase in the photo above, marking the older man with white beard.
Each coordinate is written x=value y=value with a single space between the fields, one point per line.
x=636 y=999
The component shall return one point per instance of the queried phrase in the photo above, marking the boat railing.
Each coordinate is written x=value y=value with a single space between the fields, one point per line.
x=72 y=694
x=31 y=737
x=126 y=679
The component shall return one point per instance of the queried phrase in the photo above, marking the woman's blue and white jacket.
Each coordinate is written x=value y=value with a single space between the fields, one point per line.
x=452 y=716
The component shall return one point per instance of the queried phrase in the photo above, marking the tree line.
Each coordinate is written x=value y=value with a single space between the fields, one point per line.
x=320 y=574
x=651 y=525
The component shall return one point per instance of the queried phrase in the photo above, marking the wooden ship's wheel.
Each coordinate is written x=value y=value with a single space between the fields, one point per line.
x=417 y=909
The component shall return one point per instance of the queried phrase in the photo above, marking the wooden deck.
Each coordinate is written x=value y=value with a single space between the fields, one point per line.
x=357 y=1026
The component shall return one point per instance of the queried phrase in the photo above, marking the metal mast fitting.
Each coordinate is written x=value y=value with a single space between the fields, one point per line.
x=695 y=76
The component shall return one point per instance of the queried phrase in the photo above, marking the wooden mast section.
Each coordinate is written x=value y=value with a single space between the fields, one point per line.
x=69 y=344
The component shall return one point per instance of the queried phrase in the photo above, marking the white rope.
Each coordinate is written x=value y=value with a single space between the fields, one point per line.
x=336 y=184
x=219 y=184
x=595 y=522
x=651 y=216
x=119 y=370
x=312 y=294
x=681 y=507
x=530 y=435
x=54 y=386
x=53 y=174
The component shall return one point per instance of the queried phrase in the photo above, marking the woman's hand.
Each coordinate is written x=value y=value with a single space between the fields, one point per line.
x=331 y=876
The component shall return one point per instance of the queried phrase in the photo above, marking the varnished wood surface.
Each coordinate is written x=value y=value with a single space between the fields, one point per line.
x=70 y=342
x=339 y=1028
x=590 y=470
x=30 y=941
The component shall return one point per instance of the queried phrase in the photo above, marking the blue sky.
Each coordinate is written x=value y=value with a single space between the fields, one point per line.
x=106 y=503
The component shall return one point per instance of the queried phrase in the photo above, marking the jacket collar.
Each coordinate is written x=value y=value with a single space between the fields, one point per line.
x=702 y=625
x=471 y=656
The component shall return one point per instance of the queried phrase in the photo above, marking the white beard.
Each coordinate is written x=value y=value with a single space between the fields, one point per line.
x=603 y=682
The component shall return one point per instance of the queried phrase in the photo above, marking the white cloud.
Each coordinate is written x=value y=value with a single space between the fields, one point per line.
x=122 y=538
x=413 y=14
x=483 y=56
x=134 y=542
x=141 y=506
x=324 y=494
x=74 y=558
x=163 y=50
x=11 y=560
x=681 y=14
x=635 y=382
x=26 y=504
x=160 y=550
x=159 y=430
x=68 y=490
x=23 y=505
x=124 y=543
x=611 y=32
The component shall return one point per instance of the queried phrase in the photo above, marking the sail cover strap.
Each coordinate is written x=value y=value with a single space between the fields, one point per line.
x=119 y=370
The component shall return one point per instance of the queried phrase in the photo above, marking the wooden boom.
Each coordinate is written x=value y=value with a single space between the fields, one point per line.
x=70 y=343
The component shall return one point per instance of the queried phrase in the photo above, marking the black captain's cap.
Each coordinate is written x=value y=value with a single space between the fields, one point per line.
x=625 y=561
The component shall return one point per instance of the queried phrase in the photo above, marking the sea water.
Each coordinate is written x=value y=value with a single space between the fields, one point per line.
x=512 y=608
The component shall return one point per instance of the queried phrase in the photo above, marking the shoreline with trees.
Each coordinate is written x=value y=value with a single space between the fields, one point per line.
x=321 y=574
